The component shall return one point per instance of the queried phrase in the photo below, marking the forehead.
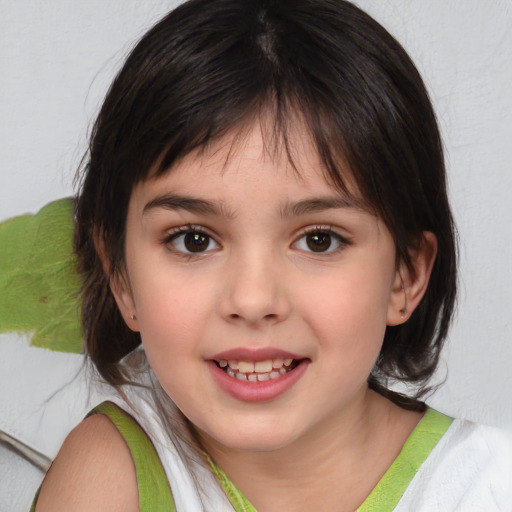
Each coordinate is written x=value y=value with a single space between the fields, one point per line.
x=255 y=160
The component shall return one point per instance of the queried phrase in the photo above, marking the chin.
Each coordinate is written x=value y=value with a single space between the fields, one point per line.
x=255 y=438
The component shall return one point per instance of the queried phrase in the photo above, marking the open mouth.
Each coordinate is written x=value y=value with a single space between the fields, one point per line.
x=257 y=371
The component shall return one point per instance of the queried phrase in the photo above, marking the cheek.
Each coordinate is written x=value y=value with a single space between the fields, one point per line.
x=167 y=296
x=348 y=316
x=167 y=310
x=170 y=327
x=350 y=302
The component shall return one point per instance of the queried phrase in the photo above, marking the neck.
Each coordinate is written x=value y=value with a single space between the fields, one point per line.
x=353 y=449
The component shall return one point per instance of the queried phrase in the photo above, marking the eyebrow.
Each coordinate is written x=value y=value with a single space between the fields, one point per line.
x=289 y=209
x=319 y=204
x=190 y=204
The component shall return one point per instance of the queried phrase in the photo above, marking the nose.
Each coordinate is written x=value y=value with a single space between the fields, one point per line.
x=254 y=290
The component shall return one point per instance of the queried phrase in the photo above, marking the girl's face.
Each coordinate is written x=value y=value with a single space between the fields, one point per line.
x=261 y=294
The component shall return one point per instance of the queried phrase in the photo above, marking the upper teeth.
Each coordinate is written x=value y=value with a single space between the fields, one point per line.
x=247 y=367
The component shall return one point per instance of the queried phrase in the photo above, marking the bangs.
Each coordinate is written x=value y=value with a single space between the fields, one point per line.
x=247 y=62
x=283 y=124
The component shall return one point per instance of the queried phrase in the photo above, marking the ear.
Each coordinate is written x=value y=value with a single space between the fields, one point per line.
x=409 y=287
x=119 y=286
x=122 y=292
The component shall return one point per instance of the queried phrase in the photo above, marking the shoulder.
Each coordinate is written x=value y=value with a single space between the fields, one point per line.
x=470 y=469
x=94 y=470
x=486 y=444
x=480 y=455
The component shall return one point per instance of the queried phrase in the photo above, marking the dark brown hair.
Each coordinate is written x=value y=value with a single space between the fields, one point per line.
x=209 y=65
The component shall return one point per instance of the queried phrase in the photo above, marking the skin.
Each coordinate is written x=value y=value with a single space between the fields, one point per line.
x=93 y=471
x=257 y=284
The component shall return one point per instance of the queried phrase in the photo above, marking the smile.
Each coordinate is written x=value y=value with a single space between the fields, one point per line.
x=257 y=371
x=257 y=375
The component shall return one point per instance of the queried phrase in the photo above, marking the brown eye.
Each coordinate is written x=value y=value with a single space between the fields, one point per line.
x=196 y=242
x=193 y=242
x=319 y=242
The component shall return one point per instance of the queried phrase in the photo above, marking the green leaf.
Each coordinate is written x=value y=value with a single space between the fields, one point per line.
x=39 y=284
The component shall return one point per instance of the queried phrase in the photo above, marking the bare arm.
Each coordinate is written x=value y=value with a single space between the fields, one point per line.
x=93 y=471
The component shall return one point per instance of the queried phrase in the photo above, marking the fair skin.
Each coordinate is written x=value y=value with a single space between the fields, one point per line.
x=93 y=471
x=234 y=259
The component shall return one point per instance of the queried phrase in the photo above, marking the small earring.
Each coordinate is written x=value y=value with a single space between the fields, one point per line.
x=132 y=317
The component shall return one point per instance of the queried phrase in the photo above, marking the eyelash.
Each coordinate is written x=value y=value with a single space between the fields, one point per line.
x=174 y=234
x=324 y=230
x=315 y=230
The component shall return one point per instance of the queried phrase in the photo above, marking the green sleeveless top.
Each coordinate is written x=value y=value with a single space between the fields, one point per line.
x=155 y=493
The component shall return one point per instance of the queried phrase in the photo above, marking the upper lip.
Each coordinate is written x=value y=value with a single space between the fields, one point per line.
x=254 y=354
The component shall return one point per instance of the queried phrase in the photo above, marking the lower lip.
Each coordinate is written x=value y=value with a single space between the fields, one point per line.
x=257 y=391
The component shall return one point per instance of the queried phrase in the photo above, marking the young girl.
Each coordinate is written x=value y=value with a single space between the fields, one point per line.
x=266 y=243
